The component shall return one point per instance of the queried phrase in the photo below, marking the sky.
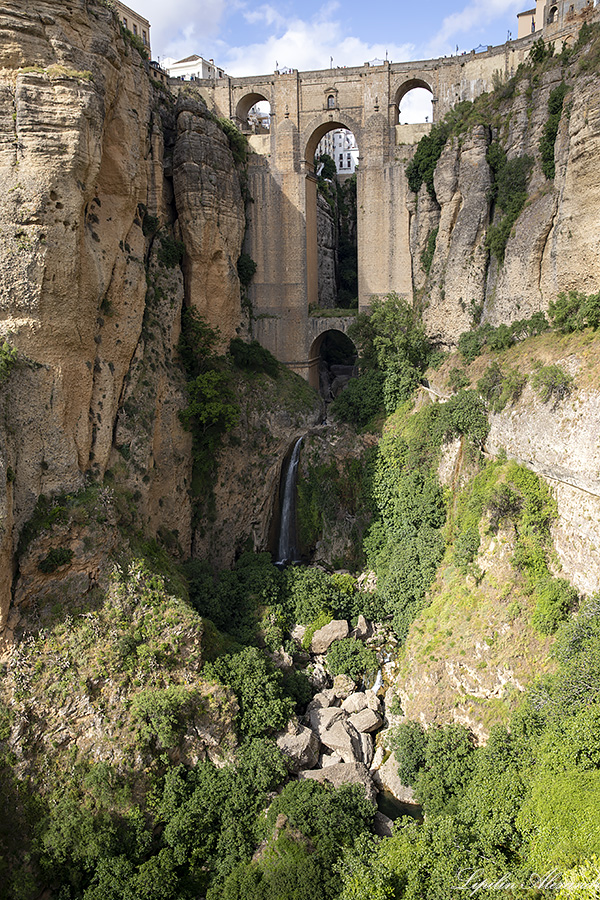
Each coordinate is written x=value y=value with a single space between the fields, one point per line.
x=247 y=37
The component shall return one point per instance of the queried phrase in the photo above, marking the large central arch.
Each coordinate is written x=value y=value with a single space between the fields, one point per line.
x=313 y=134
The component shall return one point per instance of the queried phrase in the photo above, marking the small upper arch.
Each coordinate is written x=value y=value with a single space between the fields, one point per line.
x=245 y=104
x=420 y=86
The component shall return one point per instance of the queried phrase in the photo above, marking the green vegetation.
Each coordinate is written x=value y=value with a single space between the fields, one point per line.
x=8 y=360
x=548 y=139
x=553 y=383
x=351 y=657
x=574 y=312
x=57 y=557
x=428 y=253
x=171 y=251
x=472 y=343
x=238 y=142
x=246 y=268
x=211 y=410
x=508 y=194
x=253 y=357
x=421 y=169
x=134 y=40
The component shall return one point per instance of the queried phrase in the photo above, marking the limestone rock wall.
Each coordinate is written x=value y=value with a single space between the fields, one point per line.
x=327 y=249
x=553 y=246
x=100 y=174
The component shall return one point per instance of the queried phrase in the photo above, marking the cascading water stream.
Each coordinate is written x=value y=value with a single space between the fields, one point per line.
x=286 y=548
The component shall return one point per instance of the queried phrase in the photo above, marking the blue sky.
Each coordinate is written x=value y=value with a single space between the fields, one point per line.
x=249 y=38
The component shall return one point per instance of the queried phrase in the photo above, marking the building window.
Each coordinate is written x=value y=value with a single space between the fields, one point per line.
x=124 y=21
x=349 y=160
x=135 y=29
x=341 y=160
x=331 y=102
x=144 y=38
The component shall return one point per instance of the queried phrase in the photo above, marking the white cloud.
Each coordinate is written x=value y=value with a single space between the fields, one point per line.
x=472 y=18
x=180 y=28
x=308 y=45
x=416 y=106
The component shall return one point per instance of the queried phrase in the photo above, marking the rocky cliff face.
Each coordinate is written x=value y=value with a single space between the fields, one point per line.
x=327 y=249
x=100 y=175
x=552 y=247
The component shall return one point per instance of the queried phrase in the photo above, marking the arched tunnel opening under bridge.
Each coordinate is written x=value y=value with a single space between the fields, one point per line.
x=334 y=362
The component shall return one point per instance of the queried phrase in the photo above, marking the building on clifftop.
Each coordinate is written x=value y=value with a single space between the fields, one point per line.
x=132 y=21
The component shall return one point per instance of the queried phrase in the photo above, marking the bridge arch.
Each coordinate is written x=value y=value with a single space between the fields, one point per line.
x=319 y=127
x=245 y=104
x=332 y=356
x=311 y=137
x=404 y=89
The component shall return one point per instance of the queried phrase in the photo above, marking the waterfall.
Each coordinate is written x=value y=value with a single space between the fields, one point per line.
x=286 y=548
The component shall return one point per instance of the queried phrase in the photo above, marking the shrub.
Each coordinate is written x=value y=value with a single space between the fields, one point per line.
x=552 y=382
x=458 y=379
x=170 y=252
x=238 y=142
x=350 y=657
x=409 y=743
x=574 y=312
x=246 y=268
x=508 y=192
x=548 y=139
x=428 y=254
x=490 y=384
x=57 y=557
x=555 y=597
x=253 y=356
x=361 y=400
x=8 y=359
x=400 y=383
x=421 y=168
x=259 y=689
x=503 y=504
x=466 y=547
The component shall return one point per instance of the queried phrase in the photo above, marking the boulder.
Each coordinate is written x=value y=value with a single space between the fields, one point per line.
x=341 y=737
x=322 y=700
x=344 y=773
x=366 y=747
x=330 y=759
x=386 y=778
x=378 y=758
x=366 y=720
x=355 y=702
x=318 y=676
x=373 y=701
x=321 y=718
x=362 y=630
x=325 y=636
x=300 y=746
x=297 y=633
x=343 y=686
x=383 y=825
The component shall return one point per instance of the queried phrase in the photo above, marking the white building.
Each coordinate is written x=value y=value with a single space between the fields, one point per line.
x=341 y=146
x=192 y=68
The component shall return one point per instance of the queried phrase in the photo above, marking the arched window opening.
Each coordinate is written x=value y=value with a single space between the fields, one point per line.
x=553 y=14
x=331 y=102
x=416 y=107
x=337 y=362
x=259 y=118
x=253 y=114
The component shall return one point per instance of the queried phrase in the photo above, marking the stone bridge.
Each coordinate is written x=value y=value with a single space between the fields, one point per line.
x=282 y=231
